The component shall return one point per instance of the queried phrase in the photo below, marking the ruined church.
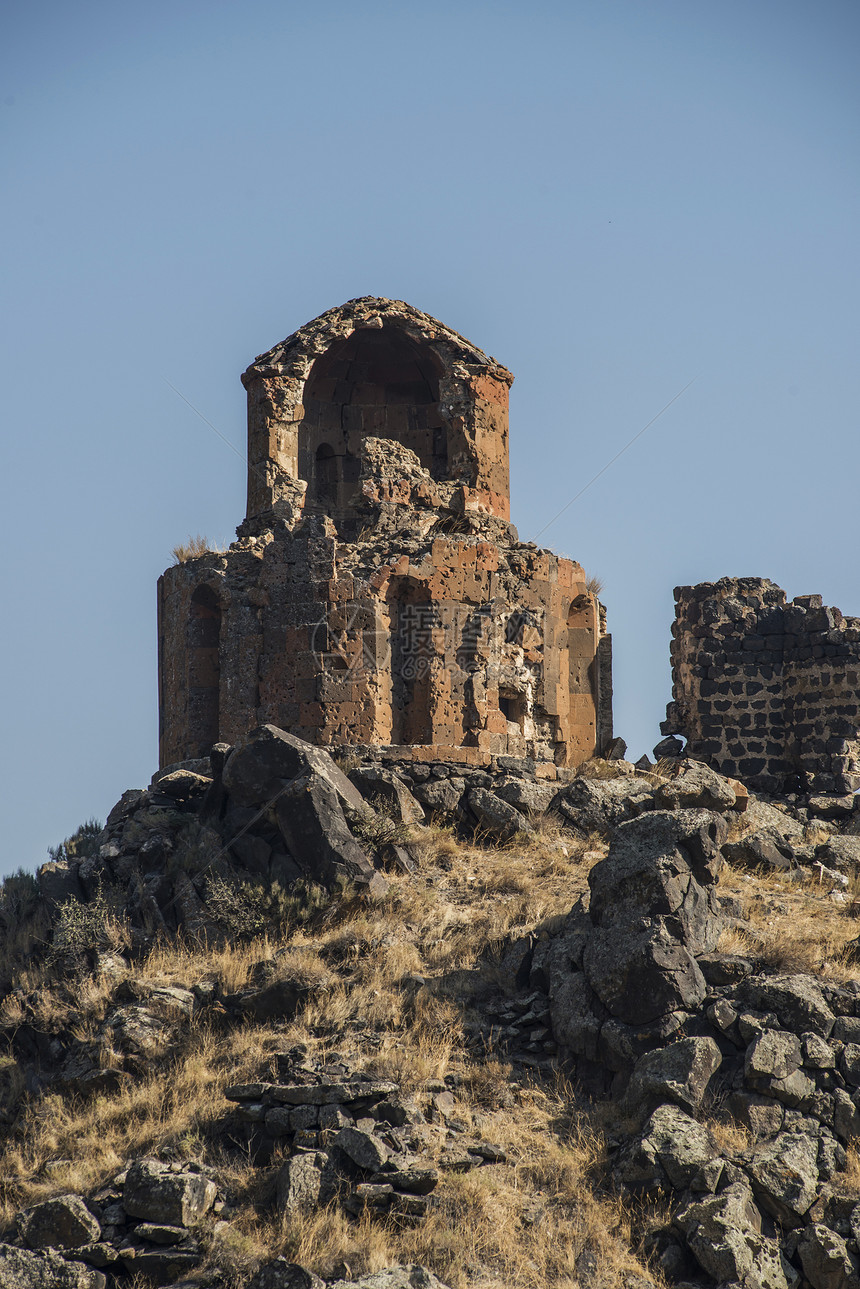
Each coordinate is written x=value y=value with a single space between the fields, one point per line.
x=377 y=594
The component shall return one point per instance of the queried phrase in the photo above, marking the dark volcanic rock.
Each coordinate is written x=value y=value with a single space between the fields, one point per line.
x=61 y=1223
x=21 y=1269
x=156 y=1194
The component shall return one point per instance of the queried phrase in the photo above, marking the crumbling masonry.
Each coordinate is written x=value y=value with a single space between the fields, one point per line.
x=377 y=594
x=766 y=690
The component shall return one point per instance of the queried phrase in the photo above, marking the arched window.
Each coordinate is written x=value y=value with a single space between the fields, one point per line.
x=413 y=620
x=204 y=670
x=375 y=382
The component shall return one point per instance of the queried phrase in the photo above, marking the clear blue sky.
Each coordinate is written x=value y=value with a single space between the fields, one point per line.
x=610 y=197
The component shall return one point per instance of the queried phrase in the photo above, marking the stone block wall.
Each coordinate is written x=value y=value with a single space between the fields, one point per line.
x=380 y=369
x=461 y=645
x=766 y=689
x=377 y=594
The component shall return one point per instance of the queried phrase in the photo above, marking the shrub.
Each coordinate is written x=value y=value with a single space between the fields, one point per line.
x=80 y=928
x=82 y=844
x=245 y=909
x=381 y=828
x=19 y=895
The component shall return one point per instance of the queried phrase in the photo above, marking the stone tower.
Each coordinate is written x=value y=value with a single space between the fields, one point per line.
x=377 y=594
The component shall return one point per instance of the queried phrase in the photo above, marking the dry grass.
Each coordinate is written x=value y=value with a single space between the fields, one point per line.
x=598 y=768
x=193 y=548
x=523 y=1223
x=849 y=1181
x=733 y=1138
x=793 y=924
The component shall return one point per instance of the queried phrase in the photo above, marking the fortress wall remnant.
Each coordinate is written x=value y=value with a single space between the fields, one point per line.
x=765 y=689
x=377 y=594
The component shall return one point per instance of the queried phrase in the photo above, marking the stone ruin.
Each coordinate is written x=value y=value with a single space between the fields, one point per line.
x=764 y=689
x=377 y=594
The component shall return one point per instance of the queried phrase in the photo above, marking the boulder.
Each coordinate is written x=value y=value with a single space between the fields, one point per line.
x=301 y=1183
x=313 y=825
x=784 y=1175
x=440 y=796
x=825 y=1259
x=774 y=1054
x=267 y=759
x=675 y=1145
x=663 y=864
x=723 y=1233
x=378 y=784
x=154 y=1193
x=528 y=795
x=497 y=817
x=698 y=787
x=841 y=853
x=679 y=1073
x=364 y=1148
x=641 y=973
x=764 y=818
x=763 y=1116
x=823 y=806
x=281 y=1274
x=759 y=850
x=817 y=1054
x=796 y=1000
x=64 y=1222
x=21 y=1269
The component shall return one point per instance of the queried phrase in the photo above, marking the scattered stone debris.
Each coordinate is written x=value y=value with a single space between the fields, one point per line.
x=354 y=1136
x=629 y=994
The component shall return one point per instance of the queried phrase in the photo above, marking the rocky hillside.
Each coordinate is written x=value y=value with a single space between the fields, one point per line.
x=283 y=1021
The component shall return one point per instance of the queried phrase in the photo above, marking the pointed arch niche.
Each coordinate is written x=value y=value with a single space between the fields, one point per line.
x=204 y=669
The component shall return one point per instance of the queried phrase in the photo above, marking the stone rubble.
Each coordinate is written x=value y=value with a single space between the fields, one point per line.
x=644 y=1010
x=630 y=995
x=355 y=1136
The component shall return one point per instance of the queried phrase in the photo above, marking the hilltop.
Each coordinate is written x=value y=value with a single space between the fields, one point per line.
x=283 y=1018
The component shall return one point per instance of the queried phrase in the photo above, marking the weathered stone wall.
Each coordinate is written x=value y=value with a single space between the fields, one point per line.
x=459 y=644
x=377 y=594
x=373 y=368
x=765 y=689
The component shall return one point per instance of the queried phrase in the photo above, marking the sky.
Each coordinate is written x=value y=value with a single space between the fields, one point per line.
x=615 y=198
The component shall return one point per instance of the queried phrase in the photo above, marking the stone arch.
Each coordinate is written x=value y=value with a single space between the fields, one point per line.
x=413 y=650
x=323 y=483
x=204 y=669
x=375 y=367
x=374 y=382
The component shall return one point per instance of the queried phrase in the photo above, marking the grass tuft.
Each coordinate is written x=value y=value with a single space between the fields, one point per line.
x=193 y=548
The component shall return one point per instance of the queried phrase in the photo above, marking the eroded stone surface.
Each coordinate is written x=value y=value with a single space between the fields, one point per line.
x=377 y=593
